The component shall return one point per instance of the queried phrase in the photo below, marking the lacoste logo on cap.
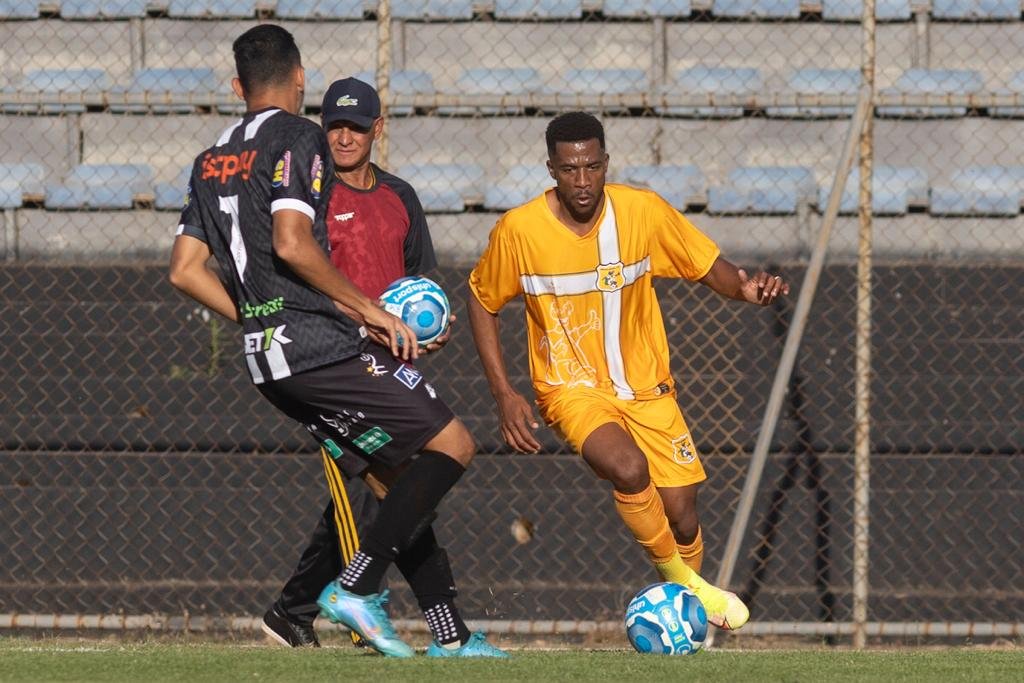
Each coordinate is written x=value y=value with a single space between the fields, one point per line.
x=346 y=101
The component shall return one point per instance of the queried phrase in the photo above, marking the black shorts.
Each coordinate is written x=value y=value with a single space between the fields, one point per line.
x=367 y=409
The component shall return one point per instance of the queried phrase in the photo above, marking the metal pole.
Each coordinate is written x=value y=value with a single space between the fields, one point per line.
x=793 y=337
x=862 y=352
x=383 y=73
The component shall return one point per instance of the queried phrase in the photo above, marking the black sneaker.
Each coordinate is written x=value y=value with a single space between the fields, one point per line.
x=288 y=633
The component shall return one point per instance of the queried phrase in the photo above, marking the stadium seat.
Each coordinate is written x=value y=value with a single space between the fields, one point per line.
x=979 y=191
x=170 y=196
x=761 y=9
x=217 y=9
x=169 y=89
x=712 y=81
x=934 y=82
x=102 y=9
x=445 y=188
x=319 y=9
x=100 y=186
x=819 y=82
x=402 y=83
x=51 y=82
x=680 y=186
x=893 y=191
x=496 y=82
x=764 y=190
x=1015 y=86
x=605 y=81
x=18 y=180
x=853 y=10
x=984 y=10
x=517 y=186
x=19 y=9
x=432 y=9
x=638 y=9
x=538 y=9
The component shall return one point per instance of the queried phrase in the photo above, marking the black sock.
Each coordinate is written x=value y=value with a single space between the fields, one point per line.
x=406 y=511
x=425 y=567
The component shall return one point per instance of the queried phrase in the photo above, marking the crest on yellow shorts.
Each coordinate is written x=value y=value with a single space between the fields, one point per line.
x=683 y=451
x=610 y=277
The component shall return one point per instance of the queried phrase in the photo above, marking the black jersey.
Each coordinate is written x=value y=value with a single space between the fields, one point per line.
x=268 y=161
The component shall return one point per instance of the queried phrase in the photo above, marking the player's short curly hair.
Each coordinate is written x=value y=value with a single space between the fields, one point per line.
x=573 y=126
x=265 y=56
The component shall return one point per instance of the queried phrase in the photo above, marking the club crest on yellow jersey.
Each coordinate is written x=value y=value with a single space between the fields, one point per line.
x=610 y=277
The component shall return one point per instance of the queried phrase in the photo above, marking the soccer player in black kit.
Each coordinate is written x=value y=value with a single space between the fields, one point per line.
x=256 y=202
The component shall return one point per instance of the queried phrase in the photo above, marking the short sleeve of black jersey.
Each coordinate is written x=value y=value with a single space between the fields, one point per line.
x=191 y=222
x=418 y=248
x=298 y=176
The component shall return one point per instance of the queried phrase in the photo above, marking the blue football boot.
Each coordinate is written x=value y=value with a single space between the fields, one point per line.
x=365 y=615
x=476 y=646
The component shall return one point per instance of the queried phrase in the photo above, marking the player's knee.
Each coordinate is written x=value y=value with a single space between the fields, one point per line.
x=455 y=441
x=630 y=475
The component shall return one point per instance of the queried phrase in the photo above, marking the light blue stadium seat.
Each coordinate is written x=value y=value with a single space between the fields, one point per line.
x=403 y=83
x=102 y=9
x=647 y=8
x=853 y=10
x=497 y=82
x=17 y=180
x=219 y=9
x=517 y=186
x=764 y=190
x=100 y=186
x=319 y=9
x=680 y=186
x=445 y=188
x=432 y=9
x=173 y=84
x=932 y=81
x=819 y=82
x=976 y=9
x=605 y=81
x=170 y=196
x=50 y=82
x=893 y=191
x=762 y=9
x=715 y=81
x=19 y=9
x=980 y=191
x=1015 y=86
x=538 y=9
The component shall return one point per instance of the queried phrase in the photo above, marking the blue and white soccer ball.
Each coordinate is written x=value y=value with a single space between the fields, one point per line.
x=421 y=304
x=666 y=619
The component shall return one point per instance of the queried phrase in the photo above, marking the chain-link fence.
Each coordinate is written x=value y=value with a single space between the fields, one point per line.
x=143 y=475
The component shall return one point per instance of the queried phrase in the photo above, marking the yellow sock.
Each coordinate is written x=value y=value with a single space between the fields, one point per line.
x=644 y=515
x=693 y=553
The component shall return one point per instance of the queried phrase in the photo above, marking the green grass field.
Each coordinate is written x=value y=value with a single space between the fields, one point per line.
x=23 y=659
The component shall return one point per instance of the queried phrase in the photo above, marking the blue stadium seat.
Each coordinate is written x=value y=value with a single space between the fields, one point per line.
x=680 y=186
x=714 y=81
x=1015 y=86
x=17 y=180
x=497 y=82
x=819 y=82
x=170 y=196
x=985 y=10
x=102 y=9
x=219 y=9
x=764 y=190
x=538 y=9
x=445 y=188
x=432 y=9
x=173 y=85
x=100 y=186
x=402 y=83
x=893 y=191
x=647 y=8
x=936 y=82
x=50 y=82
x=853 y=10
x=319 y=9
x=605 y=81
x=980 y=191
x=19 y=9
x=761 y=9
x=517 y=186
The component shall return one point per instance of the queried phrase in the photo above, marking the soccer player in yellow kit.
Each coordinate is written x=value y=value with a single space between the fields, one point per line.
x=583 y=255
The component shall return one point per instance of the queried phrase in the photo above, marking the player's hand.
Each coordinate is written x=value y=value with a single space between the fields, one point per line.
x=387 y=329
x=518 y=423
x=439 y=343
x=762 y=289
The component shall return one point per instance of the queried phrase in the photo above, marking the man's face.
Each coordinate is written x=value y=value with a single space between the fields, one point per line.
x=350 y=144
x=579 y=169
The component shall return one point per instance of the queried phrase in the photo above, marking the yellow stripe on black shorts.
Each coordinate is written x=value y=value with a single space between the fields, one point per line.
x=348 y=537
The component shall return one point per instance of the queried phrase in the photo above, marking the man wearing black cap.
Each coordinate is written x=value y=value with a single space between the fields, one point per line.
x=378 y=233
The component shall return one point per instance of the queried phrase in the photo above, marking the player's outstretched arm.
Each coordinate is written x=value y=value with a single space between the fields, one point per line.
x=517 y=420
x=728 y=280
x=190 y=273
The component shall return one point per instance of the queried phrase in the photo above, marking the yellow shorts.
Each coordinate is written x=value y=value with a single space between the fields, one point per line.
x=657 y=426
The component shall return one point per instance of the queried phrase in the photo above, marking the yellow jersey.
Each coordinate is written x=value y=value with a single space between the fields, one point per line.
x=592 y=315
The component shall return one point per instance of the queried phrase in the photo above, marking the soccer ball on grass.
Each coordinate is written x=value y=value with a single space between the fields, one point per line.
x=666 y=619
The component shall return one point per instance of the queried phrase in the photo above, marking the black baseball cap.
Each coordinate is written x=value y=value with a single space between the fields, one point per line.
x=351 y=99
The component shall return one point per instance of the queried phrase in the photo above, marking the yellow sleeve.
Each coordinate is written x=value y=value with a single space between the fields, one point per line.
x=495 y=279
x=678 y=248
